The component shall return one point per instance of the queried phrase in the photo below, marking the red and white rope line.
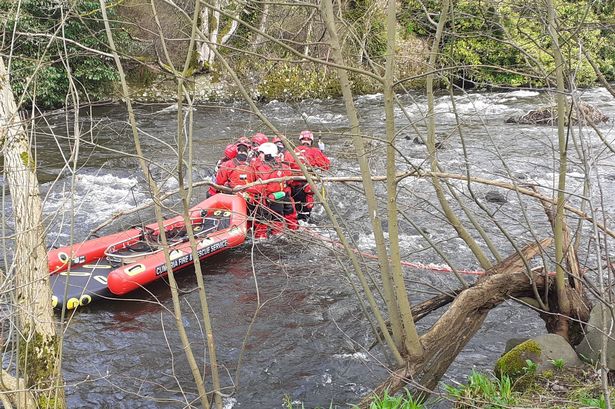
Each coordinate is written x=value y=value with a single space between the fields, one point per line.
x=431 y=267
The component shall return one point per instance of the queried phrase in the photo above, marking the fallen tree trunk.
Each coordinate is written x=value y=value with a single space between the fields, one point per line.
x=450 y=334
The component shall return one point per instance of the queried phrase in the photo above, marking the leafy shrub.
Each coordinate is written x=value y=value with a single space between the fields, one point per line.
x=293 y=82
x=506 y=43
x=42 y=61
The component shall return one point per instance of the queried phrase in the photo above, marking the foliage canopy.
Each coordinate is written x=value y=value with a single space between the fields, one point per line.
x=51 y=40
x=506 y=44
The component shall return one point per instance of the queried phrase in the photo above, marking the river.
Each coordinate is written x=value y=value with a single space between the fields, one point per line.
x=306 y=337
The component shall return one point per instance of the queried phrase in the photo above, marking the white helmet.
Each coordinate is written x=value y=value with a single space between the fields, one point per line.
x=268 y=148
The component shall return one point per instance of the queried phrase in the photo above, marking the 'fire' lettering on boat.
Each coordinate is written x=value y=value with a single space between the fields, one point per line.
x=178 y=262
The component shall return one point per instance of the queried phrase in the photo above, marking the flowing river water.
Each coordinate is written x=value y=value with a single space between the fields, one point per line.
x=284 y=309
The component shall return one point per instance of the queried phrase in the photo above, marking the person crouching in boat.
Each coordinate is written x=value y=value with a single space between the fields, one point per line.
x=290 y=212
x=271 y=209
x=313 y=158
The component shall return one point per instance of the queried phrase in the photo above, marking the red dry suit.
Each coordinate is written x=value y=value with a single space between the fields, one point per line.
x=301 y=192
x=288 y=159
x=312 y=156
x=239 y=172
x=235 y=172
x=229 y=153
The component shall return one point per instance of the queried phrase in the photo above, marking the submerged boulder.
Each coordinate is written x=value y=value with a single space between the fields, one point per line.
x=421 y=141
x=582 y=113
x=495 y=197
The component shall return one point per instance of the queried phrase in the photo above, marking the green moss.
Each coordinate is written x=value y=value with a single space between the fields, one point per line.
x=513 y=362
x=27 y=160
x=296 y=82
x=38 y=355
x=548 y=374
x=45 y=401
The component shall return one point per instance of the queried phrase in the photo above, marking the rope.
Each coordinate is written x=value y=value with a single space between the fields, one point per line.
x=431 y=267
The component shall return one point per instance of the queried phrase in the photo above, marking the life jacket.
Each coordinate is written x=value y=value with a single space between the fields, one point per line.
x=265 y=170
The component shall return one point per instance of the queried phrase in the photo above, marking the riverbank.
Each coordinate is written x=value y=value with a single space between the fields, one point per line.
x=164 y=89
x=284 y=82
x=562 y=387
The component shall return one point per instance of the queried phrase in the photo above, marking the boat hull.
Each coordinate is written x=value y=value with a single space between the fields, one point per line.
x=92 y=250
x=219 y=223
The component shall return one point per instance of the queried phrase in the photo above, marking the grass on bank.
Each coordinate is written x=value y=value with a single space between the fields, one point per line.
x=560 y=388
x=401 y=401
x=483 y=390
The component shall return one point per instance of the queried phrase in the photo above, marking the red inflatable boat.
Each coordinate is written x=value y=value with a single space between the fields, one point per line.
x=122 y=262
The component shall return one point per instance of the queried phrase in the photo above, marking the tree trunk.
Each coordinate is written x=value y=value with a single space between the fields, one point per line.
x=560 y=223
x=192 y=363
x=38 y=345
x=185 y=193
x=214 y=29
x=410 y=337
x=204 y=49
x=453 y=219
x=210 y=29
x=262 y=26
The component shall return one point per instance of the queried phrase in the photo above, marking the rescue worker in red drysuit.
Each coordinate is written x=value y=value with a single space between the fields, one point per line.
x=238 y=172
x=313 y=158
x=230 y=152
x=271 y=208
x=290 y=212
x=257 y=140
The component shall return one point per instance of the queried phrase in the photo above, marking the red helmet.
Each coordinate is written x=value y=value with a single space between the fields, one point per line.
x=276 y=139
x=244 y=141
x=230 y=151
x=259 y=139
x=306 y=135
